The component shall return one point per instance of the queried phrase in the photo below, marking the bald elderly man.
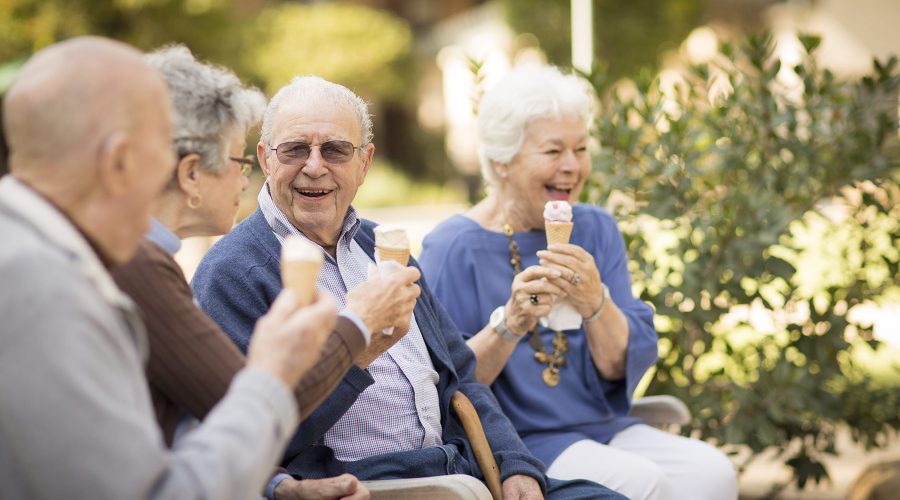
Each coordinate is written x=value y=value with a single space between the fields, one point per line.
x=88 y=128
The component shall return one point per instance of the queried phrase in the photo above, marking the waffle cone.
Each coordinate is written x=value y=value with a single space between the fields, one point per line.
x=300 y=276
x=400 y=255
x=558 y=232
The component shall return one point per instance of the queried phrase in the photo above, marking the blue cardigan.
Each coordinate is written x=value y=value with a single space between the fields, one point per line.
x=238 y=280
x=469 y=270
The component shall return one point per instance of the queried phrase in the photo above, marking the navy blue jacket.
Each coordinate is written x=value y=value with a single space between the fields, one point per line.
x=236 y=283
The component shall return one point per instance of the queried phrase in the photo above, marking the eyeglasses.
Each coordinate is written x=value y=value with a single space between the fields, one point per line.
x=297 y=153
x=245 y=163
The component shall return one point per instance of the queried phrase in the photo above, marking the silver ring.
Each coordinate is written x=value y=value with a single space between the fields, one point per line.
x=533 y=298
x=576 y=279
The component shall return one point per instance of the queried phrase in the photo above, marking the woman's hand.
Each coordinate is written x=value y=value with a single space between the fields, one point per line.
x=586 y=291
x=534 y=291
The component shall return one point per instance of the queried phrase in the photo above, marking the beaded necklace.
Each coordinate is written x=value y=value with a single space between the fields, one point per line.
x=560 y=341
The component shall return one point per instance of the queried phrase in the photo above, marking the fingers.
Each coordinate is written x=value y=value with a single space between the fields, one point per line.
x=567 y=279
x=333 y=487
x=567 y=249
x=542 y=286
x=410 y=274
x=533 y=273
x=318 y=318
x=562 y=259
x=285 y=303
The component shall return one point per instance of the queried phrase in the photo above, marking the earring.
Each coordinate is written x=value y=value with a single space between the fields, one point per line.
x=194 y=201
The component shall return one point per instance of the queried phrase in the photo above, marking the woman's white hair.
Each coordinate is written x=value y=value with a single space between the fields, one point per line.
x=321 y=91
x=525 y=94
x=208 y=104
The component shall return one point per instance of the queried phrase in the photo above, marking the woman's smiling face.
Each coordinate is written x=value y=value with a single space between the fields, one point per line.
x=552 y=164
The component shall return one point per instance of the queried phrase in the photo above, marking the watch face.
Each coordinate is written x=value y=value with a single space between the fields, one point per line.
x=497 y=318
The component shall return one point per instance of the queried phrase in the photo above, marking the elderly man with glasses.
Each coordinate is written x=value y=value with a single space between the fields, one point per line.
x=390 y=417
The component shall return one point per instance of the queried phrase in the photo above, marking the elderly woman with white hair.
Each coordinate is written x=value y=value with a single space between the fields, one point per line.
x=192 y=361
x=566 y=390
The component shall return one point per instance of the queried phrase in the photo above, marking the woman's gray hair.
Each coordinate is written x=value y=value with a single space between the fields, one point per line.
x=208 y=103
x=318 y=90
x=526 y=94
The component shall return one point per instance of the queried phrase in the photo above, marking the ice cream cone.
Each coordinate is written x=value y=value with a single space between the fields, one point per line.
x=558 y=232
x=392 y=243
x=400 y=255
x=300 y=276
x=301 y=262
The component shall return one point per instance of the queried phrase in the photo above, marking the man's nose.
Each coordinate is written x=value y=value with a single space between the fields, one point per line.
x=315 y=164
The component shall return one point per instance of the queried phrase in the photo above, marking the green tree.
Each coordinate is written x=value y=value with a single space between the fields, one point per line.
x=210 y=27
x=627 y=35
x=365 y=49
x=760 y=205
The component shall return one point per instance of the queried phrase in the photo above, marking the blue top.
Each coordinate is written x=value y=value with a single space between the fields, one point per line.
x=163 y=236
x=469 y=270
x=239 y=278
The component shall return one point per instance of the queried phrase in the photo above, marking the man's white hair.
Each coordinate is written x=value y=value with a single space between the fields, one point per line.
x=321 y=91
x=526 y=94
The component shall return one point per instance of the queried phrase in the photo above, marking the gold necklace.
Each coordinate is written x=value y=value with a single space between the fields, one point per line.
x=560 y=341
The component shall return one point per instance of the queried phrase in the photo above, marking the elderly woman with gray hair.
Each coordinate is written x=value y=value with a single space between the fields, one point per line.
x=567 y=390
x=191 y=360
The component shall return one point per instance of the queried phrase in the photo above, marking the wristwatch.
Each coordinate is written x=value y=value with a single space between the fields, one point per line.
x=498 y=323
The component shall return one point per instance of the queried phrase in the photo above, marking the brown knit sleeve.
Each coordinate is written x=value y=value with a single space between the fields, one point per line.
x=191 y=360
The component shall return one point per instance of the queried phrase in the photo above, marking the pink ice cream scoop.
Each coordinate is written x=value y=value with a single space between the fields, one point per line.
x=558 y=211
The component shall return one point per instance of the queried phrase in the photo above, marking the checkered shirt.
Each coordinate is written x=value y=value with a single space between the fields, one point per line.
x=400 y=411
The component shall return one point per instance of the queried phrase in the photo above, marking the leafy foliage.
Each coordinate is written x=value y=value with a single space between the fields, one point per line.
x=627 y=35
x=344 y=43
x=761 y=209
x=207 y=26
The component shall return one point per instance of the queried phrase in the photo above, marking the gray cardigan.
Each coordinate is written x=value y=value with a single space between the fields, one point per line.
x=75 y=414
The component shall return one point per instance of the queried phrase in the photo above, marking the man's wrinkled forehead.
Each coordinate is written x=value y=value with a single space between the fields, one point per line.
x=300 y=118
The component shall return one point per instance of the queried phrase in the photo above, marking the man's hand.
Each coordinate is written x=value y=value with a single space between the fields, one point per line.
x=287 y=341
x=382 y=302
x=344 y=487
x=521 y=487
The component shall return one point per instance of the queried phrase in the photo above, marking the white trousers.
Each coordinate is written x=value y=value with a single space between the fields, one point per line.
x=645 y=463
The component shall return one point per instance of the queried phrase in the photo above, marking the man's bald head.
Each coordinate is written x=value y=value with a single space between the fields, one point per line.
x=69 y=97
x=88 y=126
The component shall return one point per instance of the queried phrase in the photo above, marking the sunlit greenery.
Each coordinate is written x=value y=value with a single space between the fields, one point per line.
x=628 y=35
x=761 y=208
x=360 y=47
x=386 y=186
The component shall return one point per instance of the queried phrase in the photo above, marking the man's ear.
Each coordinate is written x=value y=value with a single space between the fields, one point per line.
x=262 y=154
x=368 y=153
x=187 y=173
x=114 y=167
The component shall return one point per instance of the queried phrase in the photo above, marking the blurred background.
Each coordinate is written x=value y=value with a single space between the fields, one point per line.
x=747 y=147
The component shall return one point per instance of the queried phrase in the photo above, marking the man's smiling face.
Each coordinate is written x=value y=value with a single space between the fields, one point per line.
x=316 y=194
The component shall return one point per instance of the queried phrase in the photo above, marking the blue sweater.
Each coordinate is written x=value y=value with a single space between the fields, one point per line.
x=238 y=280
x=469 y=268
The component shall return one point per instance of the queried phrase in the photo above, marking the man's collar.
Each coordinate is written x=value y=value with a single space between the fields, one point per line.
x=61 y=232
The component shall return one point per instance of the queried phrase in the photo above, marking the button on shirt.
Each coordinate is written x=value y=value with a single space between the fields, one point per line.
x=400 y=411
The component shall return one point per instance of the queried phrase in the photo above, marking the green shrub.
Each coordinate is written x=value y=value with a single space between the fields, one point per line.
x=760 y=206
